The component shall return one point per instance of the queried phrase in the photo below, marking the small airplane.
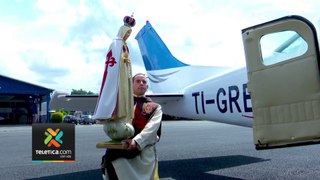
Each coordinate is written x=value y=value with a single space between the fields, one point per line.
x=277 y=93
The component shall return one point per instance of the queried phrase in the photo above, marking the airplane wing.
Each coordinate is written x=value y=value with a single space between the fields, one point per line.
x=162 y=98
x=88 y=103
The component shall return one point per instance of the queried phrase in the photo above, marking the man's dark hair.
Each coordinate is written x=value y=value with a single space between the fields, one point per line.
x=138 y=74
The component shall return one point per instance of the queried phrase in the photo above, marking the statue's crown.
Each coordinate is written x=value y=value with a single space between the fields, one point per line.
x=129 y=21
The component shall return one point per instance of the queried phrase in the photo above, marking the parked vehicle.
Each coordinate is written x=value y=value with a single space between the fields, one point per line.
x=70 y=119
x=87 y=119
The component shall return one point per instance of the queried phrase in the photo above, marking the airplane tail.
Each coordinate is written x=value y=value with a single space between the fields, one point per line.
x=165 y=72
x=155 y=54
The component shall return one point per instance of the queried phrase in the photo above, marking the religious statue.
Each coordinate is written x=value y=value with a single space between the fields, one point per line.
x=115 y=108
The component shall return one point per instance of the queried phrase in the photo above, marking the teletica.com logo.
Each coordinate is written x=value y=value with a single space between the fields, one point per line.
x=53 y=142
x=53 y=137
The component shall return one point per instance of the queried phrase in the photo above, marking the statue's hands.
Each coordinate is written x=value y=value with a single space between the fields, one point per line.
x=126 y=60
x=125 y=57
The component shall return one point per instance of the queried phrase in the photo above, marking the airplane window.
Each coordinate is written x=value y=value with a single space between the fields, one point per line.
x=281 y=46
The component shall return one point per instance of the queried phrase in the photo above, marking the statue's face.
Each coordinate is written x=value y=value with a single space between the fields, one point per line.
x=127 y=34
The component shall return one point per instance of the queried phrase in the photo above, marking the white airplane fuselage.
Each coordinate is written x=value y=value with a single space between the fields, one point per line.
x=222 y=98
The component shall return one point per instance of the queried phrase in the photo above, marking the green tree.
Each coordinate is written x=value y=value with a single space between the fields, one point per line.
x=81 y=91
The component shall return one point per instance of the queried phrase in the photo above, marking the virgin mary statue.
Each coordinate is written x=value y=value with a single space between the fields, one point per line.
x=114 y=108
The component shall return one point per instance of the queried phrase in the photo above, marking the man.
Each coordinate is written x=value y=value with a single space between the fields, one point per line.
x=139 y=160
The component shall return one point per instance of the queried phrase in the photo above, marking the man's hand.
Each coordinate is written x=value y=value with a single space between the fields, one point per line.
x=131 y=144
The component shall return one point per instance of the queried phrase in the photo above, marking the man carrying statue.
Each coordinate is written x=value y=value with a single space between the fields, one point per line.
x=128 y=117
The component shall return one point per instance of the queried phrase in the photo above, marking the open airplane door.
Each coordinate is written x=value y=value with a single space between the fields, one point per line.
x=282 y=59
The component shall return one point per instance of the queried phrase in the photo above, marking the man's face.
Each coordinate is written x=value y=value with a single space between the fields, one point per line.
x=140 y=85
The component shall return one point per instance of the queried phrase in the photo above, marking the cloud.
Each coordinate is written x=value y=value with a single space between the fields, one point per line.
x=61 y=44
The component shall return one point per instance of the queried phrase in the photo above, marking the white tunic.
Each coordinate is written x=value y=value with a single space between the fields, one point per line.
x=143 y=166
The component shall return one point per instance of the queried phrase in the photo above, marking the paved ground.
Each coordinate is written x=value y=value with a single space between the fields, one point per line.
x=187 y=150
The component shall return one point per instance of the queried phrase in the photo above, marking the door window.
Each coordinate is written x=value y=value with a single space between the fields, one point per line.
x=281 y=46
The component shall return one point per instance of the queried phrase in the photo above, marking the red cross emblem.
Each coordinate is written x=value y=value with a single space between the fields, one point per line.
x=110 y=60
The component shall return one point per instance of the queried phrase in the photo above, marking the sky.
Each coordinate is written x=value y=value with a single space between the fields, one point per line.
x=61 y=44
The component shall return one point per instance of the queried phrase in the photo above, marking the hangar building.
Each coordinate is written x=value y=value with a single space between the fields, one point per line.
x=22 y=102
